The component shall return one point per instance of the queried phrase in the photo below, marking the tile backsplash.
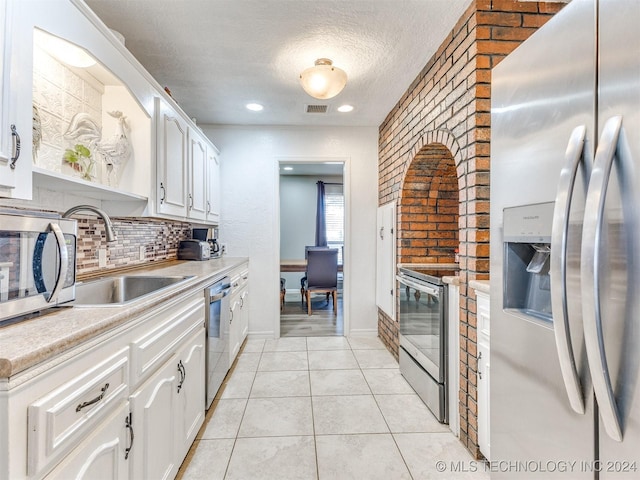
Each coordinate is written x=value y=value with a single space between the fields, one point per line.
x=158 y=238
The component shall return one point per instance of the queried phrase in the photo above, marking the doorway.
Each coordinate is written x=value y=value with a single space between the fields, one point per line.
x=299 y=196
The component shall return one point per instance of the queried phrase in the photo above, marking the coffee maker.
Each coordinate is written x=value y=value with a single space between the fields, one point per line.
x=209 y=235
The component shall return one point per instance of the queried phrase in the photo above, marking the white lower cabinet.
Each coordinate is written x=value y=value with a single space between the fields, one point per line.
x=484 y=374
x=153 y=407
x=104 y=454
x=234 y=328
x=168 y=409
x=191 y=394
x=239 y=305
x=127 y=406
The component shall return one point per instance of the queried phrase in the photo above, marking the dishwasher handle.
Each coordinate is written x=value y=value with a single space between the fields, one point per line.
x=219 y=295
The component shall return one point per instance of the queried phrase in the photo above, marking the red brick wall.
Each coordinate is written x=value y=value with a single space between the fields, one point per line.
x=428 y=209
x=447 y=107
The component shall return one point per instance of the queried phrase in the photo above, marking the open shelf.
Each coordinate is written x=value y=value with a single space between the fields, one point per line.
x=50 y=180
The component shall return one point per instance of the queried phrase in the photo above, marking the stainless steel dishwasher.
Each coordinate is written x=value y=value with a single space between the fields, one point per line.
x=217 y=323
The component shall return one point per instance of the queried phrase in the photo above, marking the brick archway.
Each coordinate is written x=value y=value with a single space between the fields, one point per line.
x=429 y=203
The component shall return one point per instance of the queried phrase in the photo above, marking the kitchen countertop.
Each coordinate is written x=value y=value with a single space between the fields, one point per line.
x=480 y=285
x=30 y=342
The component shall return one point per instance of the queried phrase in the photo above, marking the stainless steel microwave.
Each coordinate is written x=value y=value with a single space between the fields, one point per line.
x=37 y=263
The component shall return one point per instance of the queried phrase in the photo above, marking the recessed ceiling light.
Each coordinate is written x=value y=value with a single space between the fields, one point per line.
x=254 y=107
x=288 y=168
x=345 y=108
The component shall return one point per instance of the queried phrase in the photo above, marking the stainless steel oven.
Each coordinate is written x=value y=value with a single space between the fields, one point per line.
x=423 y=351
x=37 y=263
x=217 y=325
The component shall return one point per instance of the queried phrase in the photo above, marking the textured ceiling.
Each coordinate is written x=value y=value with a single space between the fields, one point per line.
x=218 y=55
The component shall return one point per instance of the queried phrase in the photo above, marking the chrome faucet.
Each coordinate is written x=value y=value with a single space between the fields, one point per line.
x=108 y=226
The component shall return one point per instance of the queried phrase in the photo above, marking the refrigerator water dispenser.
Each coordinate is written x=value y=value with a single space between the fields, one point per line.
x=527 y=237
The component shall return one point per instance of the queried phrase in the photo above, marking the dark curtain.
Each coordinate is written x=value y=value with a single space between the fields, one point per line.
x=321 y=222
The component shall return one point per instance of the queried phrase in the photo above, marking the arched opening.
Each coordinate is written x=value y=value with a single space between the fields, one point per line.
x=428 y=210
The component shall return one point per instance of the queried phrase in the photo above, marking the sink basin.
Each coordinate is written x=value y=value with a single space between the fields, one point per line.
x=114 y=291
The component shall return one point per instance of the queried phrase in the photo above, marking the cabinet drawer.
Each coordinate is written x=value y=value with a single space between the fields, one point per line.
x=64 y=417
x=154 y=348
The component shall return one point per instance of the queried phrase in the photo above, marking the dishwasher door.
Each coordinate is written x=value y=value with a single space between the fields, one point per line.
x=217 y=324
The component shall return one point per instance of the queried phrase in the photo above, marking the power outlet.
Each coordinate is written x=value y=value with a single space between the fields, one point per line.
x=102 y=257
x=143 y=252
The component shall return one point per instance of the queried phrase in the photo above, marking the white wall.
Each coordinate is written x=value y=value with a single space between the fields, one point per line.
x=250 y=210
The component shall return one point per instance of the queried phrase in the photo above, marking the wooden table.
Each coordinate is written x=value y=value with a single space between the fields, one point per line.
x=297 y=266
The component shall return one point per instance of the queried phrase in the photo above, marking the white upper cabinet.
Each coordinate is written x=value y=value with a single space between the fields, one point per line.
x=183 y=168
x=172 y=143
x=91 y=120
x=197 y=209
x=81 y=106
x=213 y=186
x=15 y=112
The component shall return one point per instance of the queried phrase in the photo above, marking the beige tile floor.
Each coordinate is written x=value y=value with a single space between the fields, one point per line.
x=323 y=408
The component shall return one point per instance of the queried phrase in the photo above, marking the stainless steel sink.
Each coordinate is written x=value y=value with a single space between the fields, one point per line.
x=114 y=291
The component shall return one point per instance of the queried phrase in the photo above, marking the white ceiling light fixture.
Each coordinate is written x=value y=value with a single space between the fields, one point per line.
x=345 y=108
x=254 y=107
x=323 y=80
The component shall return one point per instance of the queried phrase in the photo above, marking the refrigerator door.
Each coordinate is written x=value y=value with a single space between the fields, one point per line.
x=619 y=248
x=541 y=93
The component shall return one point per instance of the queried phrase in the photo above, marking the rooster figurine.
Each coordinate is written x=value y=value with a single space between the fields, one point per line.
x=117 y=150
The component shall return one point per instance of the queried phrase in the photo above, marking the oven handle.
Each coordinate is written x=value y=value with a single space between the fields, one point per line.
x=418 y=286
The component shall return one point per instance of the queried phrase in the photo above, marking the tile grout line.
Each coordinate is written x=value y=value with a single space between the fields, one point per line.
x=235 y=440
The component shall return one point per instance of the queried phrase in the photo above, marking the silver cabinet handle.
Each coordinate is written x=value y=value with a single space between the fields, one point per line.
x=16 y=148
x=183 y=375
x=103 y=392
x=64 y=262
x=163 y=193
x=128 y=423
x=381 y=233
x=590 y=278
x=559 y=233
x=190 y=202
x=208 y=206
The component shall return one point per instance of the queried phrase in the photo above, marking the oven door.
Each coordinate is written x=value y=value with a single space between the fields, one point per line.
x=422 y=325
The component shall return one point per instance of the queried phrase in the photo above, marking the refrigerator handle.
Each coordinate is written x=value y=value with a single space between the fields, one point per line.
x=559 y=233
x=590 y=277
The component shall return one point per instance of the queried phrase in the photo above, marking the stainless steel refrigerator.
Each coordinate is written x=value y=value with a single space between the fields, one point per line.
x=565 y=248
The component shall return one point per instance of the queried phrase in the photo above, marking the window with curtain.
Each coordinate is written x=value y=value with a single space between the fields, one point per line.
x=334 y=214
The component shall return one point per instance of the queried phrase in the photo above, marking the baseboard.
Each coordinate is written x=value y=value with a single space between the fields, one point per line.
x=260 y=335
x=364 y=332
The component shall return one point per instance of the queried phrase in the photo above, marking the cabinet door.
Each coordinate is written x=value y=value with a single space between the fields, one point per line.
x=197 y=208
x=386 y=259
x=103 y=454
x=235 y=323
x=244 y=317
x=190 y=392
x=153 y=407
x=172 y=141
x=15 y=99
x=213 y=187
x=484 y=374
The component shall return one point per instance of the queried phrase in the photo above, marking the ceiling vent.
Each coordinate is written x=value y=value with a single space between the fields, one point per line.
x=317 y=108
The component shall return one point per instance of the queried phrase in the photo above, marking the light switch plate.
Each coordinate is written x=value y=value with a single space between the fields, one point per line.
x=143 y=252
x=102 y=257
